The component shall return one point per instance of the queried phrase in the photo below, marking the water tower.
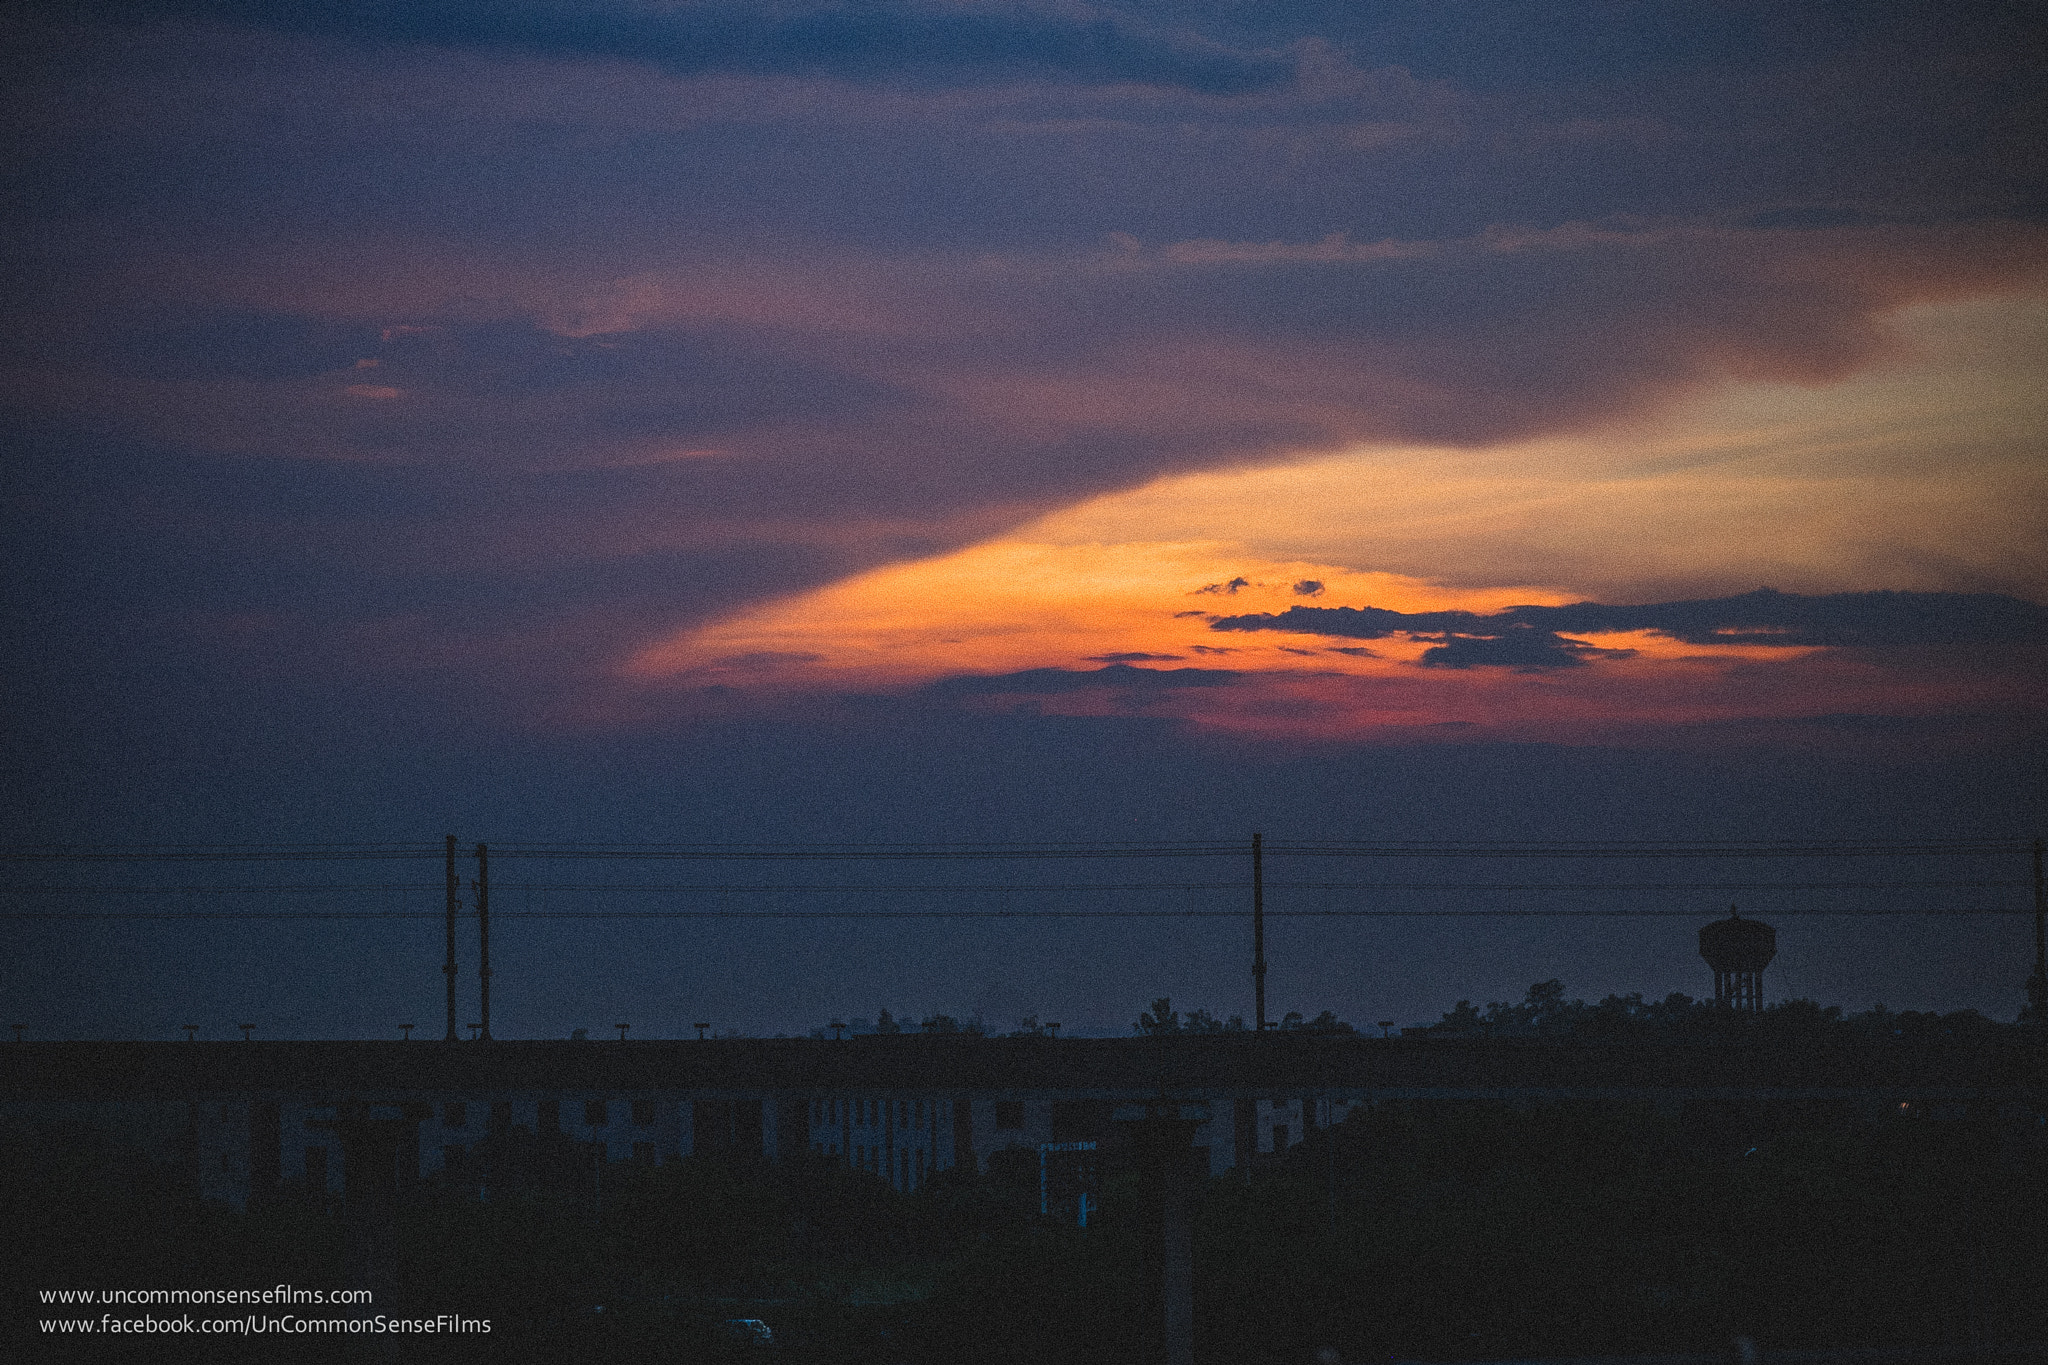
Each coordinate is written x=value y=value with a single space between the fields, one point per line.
x=1738 y=950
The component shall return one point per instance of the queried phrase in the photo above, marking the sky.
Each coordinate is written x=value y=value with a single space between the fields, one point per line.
x=640 y=421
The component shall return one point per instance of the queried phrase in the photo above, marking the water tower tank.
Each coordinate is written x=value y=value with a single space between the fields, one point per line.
x=1738 y=950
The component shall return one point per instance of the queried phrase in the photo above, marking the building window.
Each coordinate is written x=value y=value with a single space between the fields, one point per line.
x=455 y=1115
x=316 y=1169
x=594 y=1113
x=451 y=1159
x=643 y=1152
x=917 y=1114
x=501 y=1116
x=550 y=1116
x=1279 y=1137
x=643 y=1112
x=1009 y=1113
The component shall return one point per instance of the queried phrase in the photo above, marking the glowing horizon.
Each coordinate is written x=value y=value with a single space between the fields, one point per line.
x=1135 y=577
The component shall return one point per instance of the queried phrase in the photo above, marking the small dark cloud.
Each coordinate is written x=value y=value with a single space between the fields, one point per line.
x=1763 y=617
x=1522 y=648
x=1357 y=623
x=1181 y=615
x=1133 y=657
x=1767 y=617
x=1225 y=589
x=1118 y=676
x=1309 y=587
x=1289 y=649
x=1355 y=651
x=1211 y=649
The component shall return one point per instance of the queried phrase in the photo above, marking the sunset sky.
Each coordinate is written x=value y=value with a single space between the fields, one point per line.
x=664 y=420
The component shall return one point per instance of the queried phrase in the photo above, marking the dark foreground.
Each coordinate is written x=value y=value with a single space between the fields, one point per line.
x=1465 y=1232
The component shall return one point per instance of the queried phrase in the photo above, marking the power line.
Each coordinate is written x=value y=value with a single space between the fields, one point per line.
x=1845 y=850
x=1042 y=850
x=264 y=915
x=323 y=888
x=1331 y=849
x=214 y=855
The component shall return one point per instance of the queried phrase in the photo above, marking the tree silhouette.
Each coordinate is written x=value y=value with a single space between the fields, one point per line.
x=1161 y=1019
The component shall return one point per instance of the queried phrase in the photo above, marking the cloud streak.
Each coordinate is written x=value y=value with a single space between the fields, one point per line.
x=873 y=42
x=1535 y=637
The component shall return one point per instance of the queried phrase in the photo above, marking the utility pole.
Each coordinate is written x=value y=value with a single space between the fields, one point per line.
x=454 y=895
x=2037 y=984
x=483 y=931
x=1259 y=930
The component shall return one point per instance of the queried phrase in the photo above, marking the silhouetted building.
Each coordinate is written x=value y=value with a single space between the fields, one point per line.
x=368 y=1122
x=1738 y=950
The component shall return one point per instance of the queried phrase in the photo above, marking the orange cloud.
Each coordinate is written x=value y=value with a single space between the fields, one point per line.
x=1026 y=602
x=1122 y=629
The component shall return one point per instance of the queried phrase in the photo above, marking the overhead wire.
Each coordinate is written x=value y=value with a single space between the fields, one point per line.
x=1021 y=850
x=1001 y=850
x=310 y=888
x=1348 y=913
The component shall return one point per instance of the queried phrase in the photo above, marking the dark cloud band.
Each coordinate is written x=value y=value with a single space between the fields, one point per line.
x=866 y=42
x=1536 y=637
